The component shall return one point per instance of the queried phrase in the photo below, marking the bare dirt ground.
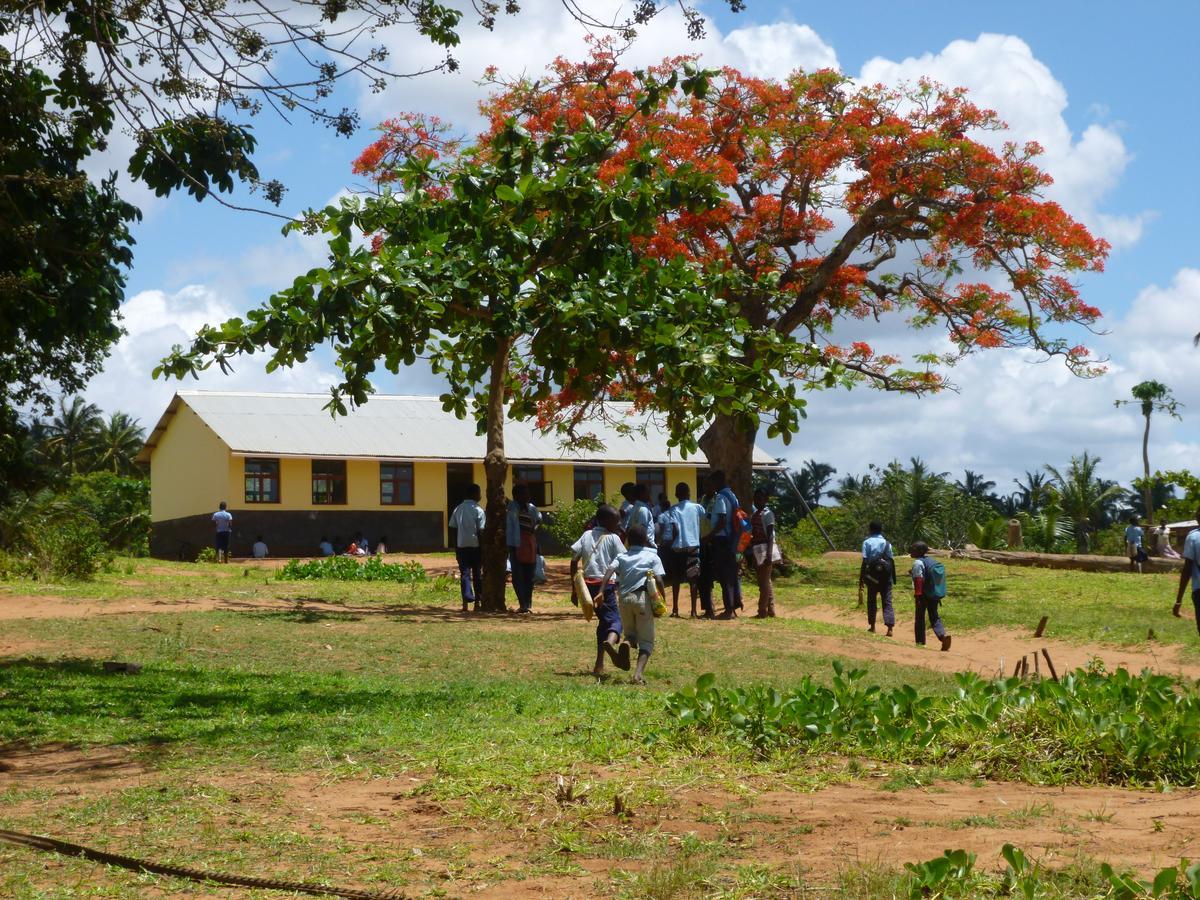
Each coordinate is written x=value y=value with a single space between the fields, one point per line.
x=818 y=833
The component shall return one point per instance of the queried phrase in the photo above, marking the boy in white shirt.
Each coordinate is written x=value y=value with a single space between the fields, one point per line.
x=685 y=552
x=632 y=569
x=598 y=547
x=260 y=548
x=468 y=521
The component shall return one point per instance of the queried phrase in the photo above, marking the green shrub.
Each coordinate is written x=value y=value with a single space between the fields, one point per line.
x=206 y=555
x=70 y=550
x=349 y=568
x=569 y=521
x=1091 y=727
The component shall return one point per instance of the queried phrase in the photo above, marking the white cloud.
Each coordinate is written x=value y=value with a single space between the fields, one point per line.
x=1002 y=73
x=1013 y=413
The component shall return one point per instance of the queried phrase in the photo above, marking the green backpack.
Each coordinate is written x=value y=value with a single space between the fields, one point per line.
x=935 y=579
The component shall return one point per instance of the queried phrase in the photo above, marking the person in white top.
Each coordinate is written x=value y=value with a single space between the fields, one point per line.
x=633 y=569
x=683 y=561
x=597 y=548
x=468 y=521
x=260 y=548
x=643 y=514
x=763 y=553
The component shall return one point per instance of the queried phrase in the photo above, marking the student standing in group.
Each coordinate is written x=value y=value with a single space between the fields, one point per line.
x=633 y=568
x=1191 y=571
x=685 y=548
x=706 y=577
x=223 y=519
x=642 y=513
x=629 y=493
x=724 y=544
x=468 y=521
x=763 y=553
x=1133 y=544
x=598 y=547
x=929 y=589
x=520 y=532
x=878 y=573
x=664 y=525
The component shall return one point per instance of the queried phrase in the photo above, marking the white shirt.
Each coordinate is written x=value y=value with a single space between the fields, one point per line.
x=259 y=550
x=601 y=547
x=1191 y=550
x=643 y=515
x=468 y=517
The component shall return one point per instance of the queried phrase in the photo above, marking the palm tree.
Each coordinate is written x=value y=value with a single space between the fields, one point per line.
x=71 y=432
x=1151 y=396
x=812 y=480
x=1084 y=498
x=1034 y=492
x=850 y=486
x=921 y=490
x=977 y=487
x=116 y=444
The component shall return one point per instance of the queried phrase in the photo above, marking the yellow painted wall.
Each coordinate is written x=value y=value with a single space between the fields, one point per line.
x=187 y=469
x=676 y=474
x=362 y=486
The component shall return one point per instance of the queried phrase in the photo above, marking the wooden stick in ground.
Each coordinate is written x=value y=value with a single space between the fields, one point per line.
x=1041 y=629
x=1017 y=669
x=1037 y=669
x=1049 y=664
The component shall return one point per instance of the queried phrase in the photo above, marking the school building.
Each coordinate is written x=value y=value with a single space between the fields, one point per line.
x=395 y=467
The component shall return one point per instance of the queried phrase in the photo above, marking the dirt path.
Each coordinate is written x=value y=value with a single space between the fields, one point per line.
x=818 y=833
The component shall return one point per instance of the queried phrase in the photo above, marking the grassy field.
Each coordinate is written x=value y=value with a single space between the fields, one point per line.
x=369 y=734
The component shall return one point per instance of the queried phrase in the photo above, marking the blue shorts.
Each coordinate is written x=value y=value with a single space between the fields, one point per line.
x=608 y=615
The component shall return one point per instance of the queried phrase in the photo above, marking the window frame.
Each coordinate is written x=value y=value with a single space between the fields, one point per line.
x=576 y=482
x=259 y=496
x=538 y=485
x=336 y=482
x=650 y=482
x=398 y=483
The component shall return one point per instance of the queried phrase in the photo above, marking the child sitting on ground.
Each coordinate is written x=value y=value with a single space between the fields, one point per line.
x=632 y=569
x=598 y=547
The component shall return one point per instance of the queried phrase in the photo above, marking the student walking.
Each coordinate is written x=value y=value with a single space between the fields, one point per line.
x=1134 y=537
x=724 y=544
x=878 y=574
x=597 y=548
x=929 y=589
x=520 y=533
x=633 y=568
x=468 y=520
x=223 y=519
x=1191 y=571
x=707 y=575
x=763 y=553
x=686 y=517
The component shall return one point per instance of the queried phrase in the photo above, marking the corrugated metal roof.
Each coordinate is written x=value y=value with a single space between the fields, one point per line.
x=395 y=427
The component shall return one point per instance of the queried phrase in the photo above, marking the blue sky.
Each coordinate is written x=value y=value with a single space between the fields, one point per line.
x=1109 y=88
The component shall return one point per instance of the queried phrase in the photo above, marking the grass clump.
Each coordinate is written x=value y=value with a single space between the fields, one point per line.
x=347 y=568
x=1091 y=727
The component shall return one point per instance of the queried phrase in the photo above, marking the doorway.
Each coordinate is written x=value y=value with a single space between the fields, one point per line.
x=459 y=478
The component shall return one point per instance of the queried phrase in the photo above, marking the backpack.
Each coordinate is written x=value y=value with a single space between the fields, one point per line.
x=935 y=579
x=878 y=573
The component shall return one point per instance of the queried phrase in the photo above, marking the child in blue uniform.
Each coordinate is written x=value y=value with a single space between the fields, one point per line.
x=632 y=569
x=598 y=547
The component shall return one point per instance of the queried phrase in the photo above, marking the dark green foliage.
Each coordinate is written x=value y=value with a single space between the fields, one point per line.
x=348 y=568
x=569 y=521
x=69 y=549
x=1091 y=727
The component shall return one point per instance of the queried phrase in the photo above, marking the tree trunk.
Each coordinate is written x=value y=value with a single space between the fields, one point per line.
x=495 y=467
x=730 y=449
x=1147 y=491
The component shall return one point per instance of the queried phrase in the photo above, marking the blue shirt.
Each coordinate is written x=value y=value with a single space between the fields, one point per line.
x=632 y=567
x=512 y=522
x=1133 y=535
x=223 y=518
x=687 y=524
x=600 y=547
x=1191 y=550
x=642 y=514
x=724 y=504
x=467 y=519
x=876 y=547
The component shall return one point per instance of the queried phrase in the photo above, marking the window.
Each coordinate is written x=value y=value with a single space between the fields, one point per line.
x=262 y=480
x=589 y=482
x=328 y=482
x=656 y=480
x=396 y=484
x=541 y=492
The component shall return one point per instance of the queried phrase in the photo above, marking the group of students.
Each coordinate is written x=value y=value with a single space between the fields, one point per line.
x=877 y=574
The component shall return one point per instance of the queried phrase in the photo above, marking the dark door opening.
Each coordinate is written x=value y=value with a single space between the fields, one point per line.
x=459 y=478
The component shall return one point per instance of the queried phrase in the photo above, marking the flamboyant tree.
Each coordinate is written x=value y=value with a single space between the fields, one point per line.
x=510 y=266
x=843 y=203
x=1150 y=397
